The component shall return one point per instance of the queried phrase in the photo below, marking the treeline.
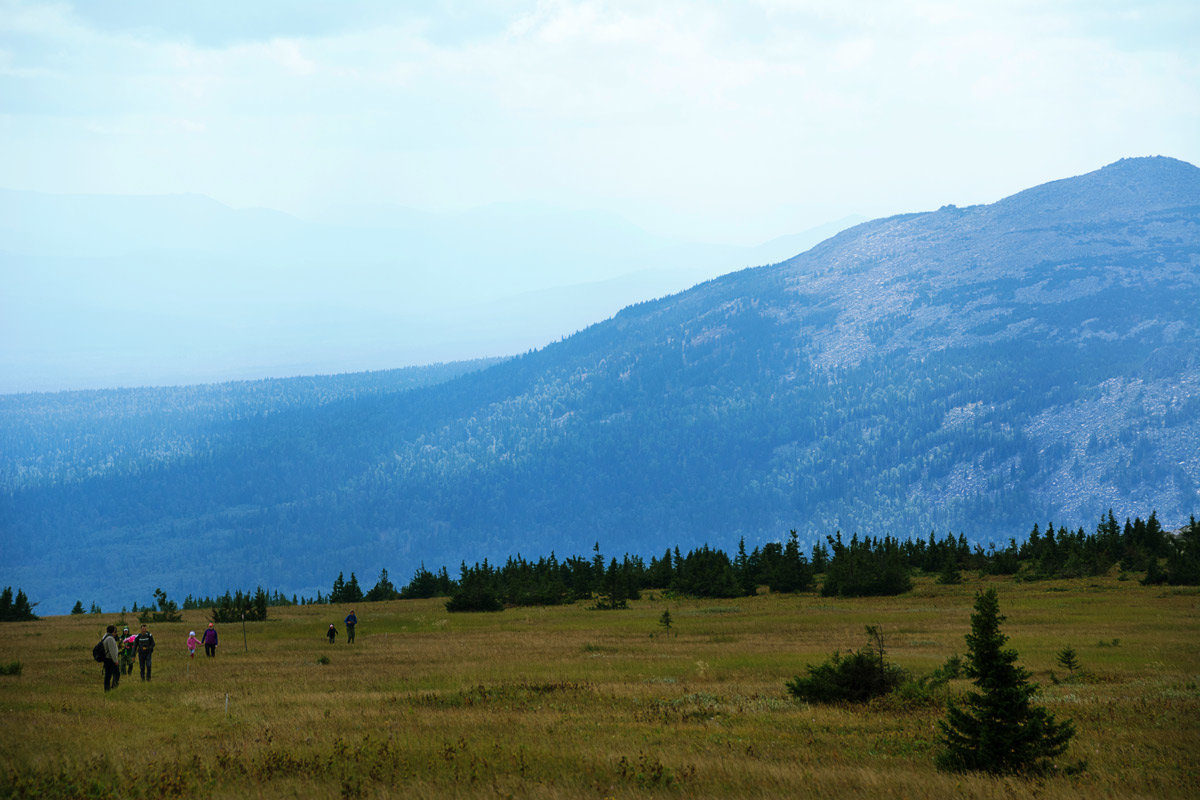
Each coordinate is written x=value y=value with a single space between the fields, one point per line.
x=858 y=567
x=866 y=566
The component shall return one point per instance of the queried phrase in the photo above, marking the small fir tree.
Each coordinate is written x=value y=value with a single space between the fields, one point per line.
x=997 y=729
x=1068 y=659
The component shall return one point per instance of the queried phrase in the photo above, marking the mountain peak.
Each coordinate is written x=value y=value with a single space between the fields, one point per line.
x=1149 y=183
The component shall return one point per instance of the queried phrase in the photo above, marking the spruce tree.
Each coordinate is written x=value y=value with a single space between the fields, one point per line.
x=1068 y=659
x=353 y=593
x=997 y=729
x=383 y=588
x=1183 y=563
x=950 y=573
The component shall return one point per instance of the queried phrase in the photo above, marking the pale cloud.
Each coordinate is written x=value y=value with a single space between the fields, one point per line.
x=739 y=121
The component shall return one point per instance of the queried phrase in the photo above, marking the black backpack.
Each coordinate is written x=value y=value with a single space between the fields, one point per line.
x=98 y=651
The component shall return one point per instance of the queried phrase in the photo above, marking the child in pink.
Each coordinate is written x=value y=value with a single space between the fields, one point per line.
x=192 y=642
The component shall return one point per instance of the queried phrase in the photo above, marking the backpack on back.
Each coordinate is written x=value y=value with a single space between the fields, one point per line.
x=98 y=651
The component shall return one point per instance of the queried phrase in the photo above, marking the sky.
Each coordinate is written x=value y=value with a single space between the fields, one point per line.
x=704 y=121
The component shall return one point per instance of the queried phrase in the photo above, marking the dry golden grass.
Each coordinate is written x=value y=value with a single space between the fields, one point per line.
x=569 y=702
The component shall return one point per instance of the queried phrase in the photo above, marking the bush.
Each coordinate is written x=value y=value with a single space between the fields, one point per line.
x=12 y=668
x=928 y=690
x=855 y=678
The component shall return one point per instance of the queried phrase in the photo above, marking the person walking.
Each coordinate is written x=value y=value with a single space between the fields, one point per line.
x=112 y=669
x=192 y=643
x=143 y=645
x=209 y=639
x=331 y=633
x=351 y=621
x=126 y=647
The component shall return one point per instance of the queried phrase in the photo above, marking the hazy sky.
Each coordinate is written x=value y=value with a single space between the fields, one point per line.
x=723 y=121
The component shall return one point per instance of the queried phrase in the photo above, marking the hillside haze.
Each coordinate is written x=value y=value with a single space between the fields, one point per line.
x=246 y=293
x=970 y=370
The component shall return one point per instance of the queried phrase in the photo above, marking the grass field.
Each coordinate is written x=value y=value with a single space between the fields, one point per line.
x=569 y=702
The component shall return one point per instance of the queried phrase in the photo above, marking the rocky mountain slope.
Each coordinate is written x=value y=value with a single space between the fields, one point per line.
x=970 y=370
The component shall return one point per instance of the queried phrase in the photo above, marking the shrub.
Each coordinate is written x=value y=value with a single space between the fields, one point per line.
x=855 y=678
x=12 y=668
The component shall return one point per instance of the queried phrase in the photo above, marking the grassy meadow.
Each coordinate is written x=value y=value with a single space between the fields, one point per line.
x=569 y=702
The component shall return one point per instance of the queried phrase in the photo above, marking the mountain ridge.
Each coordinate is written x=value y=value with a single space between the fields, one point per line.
x=968 y=370
x=238 y=293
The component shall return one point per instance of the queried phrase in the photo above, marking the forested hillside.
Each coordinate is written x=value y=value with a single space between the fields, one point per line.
x=964 y=370
x=67 y=437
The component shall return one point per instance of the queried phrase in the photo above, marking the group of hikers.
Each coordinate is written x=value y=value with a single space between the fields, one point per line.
x=120 y=652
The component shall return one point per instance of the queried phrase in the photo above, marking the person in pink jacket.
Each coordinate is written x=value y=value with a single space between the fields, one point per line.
x=193 y=643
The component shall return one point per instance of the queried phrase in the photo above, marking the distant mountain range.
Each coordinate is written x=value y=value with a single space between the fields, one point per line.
x=99 y=291
x=971 y=370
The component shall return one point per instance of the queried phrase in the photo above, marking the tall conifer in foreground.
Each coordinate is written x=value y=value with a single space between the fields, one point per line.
x=997 y=729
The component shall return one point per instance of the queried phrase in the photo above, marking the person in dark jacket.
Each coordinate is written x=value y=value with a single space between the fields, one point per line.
x=209 y=639
x=143 y=645
x=112 y=669
x=331 y=633
x=351 y=621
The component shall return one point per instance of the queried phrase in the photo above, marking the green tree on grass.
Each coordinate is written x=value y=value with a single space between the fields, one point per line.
x=997 y=728
x=1068 y=659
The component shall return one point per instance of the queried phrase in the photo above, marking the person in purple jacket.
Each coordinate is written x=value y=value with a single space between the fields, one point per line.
x=209 y=640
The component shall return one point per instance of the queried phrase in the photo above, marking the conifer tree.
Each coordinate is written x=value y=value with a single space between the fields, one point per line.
x=997 y=729
x=15 y=609
x=792 y=572
x=1068 y=659
x=353 y=593
x=950 y=573
x=383 y=588
x=1183 y=564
